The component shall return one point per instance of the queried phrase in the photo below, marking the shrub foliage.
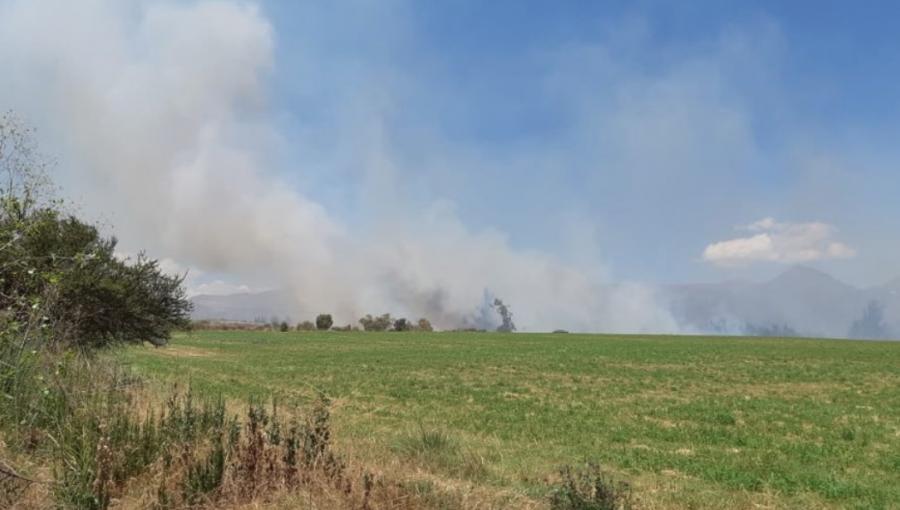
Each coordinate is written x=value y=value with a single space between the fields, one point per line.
x=324 y=322
x=61 y=269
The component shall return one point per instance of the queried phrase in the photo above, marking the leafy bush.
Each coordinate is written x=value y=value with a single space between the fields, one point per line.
x=324 y=322
x=306 y=326
x=380 y=323
x=402 y=325
x=61 y=267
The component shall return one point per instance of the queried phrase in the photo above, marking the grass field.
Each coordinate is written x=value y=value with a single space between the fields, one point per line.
x=691 y=422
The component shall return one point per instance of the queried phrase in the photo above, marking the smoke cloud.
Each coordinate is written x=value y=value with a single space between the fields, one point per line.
x=158 y=111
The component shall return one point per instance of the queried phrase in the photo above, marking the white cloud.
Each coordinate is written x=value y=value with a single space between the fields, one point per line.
x=786 y=243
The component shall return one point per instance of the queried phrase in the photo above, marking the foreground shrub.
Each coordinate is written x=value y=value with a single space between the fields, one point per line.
x=590 y=488
x=65 y=267
x=87 y=430
x=55 y=265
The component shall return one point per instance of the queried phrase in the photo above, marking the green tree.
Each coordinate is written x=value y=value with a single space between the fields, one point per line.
x=91 y=297
x=324 y=322
x=380 y=323
x=60 y=269
x=402 y=324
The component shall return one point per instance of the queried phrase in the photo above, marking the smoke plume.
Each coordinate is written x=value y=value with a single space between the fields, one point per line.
x=158 y=112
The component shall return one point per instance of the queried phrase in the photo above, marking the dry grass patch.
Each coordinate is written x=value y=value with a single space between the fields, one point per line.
x=183 y=351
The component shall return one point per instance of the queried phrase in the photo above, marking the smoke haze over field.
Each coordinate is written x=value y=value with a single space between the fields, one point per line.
x=368 y=158
x=161 y=108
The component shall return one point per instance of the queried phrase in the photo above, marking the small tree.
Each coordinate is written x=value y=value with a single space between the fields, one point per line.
x=424 y=325
x=324 y=322
x=383 y=322
x=380 y=323
x=402 y=325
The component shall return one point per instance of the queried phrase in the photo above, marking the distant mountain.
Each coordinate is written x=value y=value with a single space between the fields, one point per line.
x=800 y=301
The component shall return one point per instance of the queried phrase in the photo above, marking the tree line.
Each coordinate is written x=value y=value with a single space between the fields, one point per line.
x=383 y=322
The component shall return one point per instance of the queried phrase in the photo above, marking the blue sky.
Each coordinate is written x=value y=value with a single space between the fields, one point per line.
x=808 y=90
x=411 y=155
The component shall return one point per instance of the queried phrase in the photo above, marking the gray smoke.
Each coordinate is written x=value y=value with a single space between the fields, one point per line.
x=158 y=112
x=506 y=316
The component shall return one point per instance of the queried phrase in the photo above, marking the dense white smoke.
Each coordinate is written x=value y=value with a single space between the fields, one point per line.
x=158 y=110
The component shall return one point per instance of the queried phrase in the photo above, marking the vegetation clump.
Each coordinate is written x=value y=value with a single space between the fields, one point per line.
x=385 y=322
x=60 y=280
x=381 y=323
x=324 y=322
x=306 y=326
x=402 y=324
x=590 y=488
x=424 y=325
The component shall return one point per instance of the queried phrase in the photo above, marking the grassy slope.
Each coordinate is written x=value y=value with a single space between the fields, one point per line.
x=694 y=422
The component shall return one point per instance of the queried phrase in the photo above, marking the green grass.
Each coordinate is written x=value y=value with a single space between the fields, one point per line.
x=694 y=422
